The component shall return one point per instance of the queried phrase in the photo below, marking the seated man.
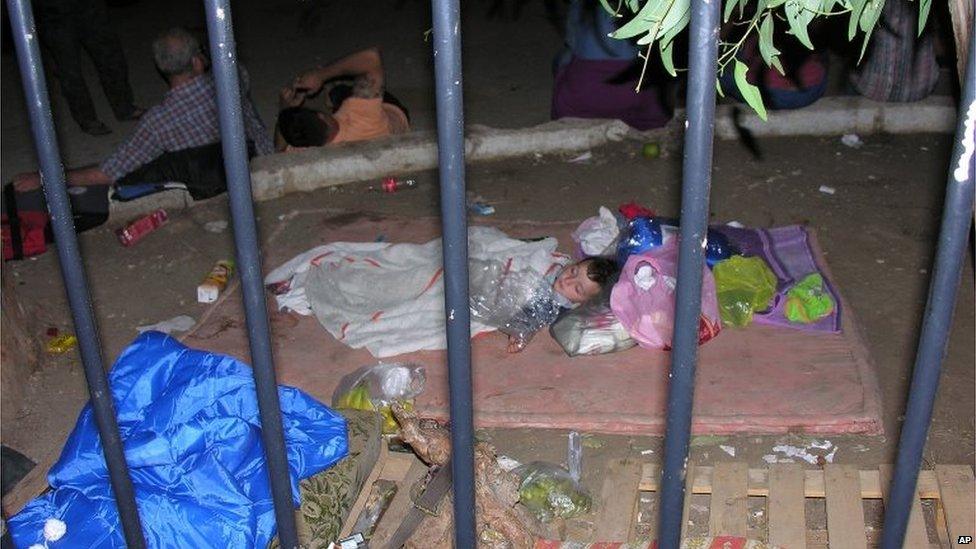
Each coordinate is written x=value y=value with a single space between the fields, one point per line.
x=354 y=113
x=596 y=76
x=177 y=140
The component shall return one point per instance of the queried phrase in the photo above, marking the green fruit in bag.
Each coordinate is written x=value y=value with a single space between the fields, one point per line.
x=744 y=285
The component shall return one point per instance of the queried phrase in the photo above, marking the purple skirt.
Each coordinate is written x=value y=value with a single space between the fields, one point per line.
x=586 y=88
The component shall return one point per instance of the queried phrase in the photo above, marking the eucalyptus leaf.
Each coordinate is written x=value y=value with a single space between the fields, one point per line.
x=671 y=24
x=799 y=18
x=857 y=7
x=748 y=91
x=667 y=57
x=729 y=7
x=718 y=88
x=871 y=14
x=668 y=33
x=774 y=3
x=778 y=66
x=649 y=15
x=923 y=14
x=766 y=47
x=609 y=9
x=634 y=5
x=869 y=20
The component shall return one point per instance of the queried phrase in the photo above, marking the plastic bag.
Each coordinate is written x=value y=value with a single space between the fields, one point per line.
x=643 y=234
x=548 y=491
x=596 y=235
x=591 y=330
x=518 y=303
x=644 y=298
x=745 y=285
x=375 y=388
x=807 y=301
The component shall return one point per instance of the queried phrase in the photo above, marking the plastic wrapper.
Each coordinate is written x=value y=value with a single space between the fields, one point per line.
x=375 y=388
x=548 y=491
x=597 y=235
x=591 y=330
x=644 y=299
x=643 y=234
x=807 y=301
x=516 y=302
x=745 y=285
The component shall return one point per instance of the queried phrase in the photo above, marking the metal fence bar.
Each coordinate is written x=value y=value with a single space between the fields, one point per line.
x=72 y=269
x=450 y=147
x=696 y=183
x=946 y=273
x=224 y=53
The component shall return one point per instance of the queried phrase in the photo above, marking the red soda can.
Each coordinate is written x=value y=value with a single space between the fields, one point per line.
x=392 y=184
x=134 y=231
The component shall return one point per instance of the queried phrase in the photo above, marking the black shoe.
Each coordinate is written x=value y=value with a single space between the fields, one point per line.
x=95 y=128
x=134 y=114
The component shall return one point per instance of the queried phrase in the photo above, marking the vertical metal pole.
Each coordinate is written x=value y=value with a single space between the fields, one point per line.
x=696 y=183
x=224 y=51
x=72 y=269
x=953 y=237
x=450 y=147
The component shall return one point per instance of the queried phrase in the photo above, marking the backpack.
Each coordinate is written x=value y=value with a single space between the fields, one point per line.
x=25 y=226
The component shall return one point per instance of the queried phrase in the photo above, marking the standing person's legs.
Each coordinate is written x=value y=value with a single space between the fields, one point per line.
x=99 y=39
x=58 y=33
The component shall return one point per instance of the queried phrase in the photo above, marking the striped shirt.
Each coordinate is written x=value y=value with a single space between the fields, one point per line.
x=186 y=118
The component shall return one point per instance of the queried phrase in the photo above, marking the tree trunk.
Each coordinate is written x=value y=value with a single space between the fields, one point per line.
x=20 y=349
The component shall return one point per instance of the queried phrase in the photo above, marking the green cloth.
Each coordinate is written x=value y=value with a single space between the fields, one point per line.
x=807 y=301
x=744 y=285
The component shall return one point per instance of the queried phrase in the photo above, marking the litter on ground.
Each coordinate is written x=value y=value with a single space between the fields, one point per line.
x=852 y=140
x=179 y=323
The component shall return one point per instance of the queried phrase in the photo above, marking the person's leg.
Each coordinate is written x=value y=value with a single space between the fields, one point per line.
x=99 y=39
x=59 y=36
x=201 y=169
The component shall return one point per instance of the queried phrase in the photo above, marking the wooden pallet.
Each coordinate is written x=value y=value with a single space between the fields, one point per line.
x=787 y=488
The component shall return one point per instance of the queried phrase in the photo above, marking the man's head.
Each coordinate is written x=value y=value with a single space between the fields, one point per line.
x=178 y=55
x=303 y=127
x=583 y=281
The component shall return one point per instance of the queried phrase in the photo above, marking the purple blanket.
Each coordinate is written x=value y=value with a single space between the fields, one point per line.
x=789 y=254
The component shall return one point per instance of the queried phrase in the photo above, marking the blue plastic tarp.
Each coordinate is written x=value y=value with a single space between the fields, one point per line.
x=192 y=435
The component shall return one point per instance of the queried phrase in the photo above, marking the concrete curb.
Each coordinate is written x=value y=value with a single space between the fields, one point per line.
x=276 y=175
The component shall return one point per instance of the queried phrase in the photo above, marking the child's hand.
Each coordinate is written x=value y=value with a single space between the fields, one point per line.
x=516 y=343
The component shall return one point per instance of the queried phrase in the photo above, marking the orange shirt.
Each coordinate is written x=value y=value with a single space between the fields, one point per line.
x=360 y=119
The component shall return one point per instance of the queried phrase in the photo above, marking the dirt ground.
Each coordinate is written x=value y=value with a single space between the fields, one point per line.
x=878 y=230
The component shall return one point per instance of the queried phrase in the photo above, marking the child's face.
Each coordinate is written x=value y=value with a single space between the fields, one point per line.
x=575 y=285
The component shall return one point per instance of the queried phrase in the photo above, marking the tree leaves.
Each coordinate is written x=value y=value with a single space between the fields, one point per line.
x=667 y=57
x=857 y=7
x=660 y=21
x=869 y=19
x=748 y=91
x=799 y=13
x=766 y=48
x=923 y=14
x=729 y=8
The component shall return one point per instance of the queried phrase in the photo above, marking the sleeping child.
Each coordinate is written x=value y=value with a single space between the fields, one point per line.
x=520 y=306
x=389 y=297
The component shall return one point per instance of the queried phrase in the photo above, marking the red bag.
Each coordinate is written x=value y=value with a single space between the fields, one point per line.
x=23 y=232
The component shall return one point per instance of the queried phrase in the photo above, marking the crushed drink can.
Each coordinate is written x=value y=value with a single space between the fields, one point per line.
x=209 y=290
x=392 y=185
x=134 y=231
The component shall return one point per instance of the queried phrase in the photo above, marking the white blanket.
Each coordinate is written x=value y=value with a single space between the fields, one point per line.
x=389 y=298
